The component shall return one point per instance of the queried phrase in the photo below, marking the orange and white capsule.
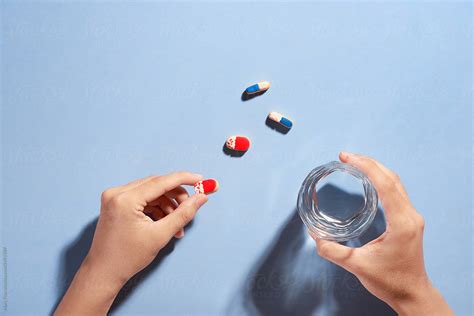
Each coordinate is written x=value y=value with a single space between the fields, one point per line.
x=280 y=119
x=258 y=87
x=207 y=186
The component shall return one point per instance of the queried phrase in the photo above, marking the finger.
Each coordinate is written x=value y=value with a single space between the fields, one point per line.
x=109 y=193
x=168 y=226
x=387 y=188
x=392 y=175
x=156 y=187
x=179 y=234
x=179 y=194
x=136 y=183
x=155 y=212
x=336 y=253
x=168 y=206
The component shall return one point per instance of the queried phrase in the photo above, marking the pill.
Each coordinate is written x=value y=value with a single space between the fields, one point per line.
x=280 y=119
x=240 y=143
x=258 y=87
x=206 y=186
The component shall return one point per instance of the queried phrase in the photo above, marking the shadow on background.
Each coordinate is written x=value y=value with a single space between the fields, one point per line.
x=245 y=96
x=74 y=253
x=232 y=153
x=133 y=283
x=291 y=279
x=71 y=259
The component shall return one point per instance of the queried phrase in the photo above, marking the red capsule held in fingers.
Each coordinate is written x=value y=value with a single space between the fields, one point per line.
x=206 y=186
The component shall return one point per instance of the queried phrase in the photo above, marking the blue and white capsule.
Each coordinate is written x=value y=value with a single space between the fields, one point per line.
x=258 y=87
x=280 y=119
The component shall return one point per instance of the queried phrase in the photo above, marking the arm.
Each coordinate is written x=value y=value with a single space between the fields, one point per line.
x=391 y=267
x=136 y=221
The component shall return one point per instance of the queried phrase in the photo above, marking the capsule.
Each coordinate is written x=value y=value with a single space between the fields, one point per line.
x=258 y=87
x=207 y=186
x=280 y=119
x=239 y=143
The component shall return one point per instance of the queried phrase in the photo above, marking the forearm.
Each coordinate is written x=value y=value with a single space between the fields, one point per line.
x=91 y=292
x=428 y=301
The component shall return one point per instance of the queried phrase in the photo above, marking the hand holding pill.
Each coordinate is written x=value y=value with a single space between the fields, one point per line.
x=136 y=221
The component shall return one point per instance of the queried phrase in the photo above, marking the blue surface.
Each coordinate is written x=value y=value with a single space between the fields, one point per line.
x=98 y=94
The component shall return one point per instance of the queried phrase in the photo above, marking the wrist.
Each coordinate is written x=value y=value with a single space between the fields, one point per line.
x=91 y=292
x=425 y=299
x=102 y=274
x=97 y=276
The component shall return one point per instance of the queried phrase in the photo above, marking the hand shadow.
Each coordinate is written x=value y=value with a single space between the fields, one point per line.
x=71 y=258
x=291 y=279
x=75 y=252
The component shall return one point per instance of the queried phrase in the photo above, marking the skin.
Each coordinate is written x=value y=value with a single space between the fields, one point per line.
x=391 y=267
x=138 y=219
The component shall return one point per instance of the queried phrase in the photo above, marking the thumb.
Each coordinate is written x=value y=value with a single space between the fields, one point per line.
x=336 y=253
x=168 y=226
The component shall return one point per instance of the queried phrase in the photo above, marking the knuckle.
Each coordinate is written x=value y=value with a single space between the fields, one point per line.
x=369 y=162
x=396 y=177
x=370 y=158
x=153 y=177
x=106 y=195
x=184 y=218
x=322 y=250
x=118 y=201
x=412 y=227
x=420 y=221
x=156 y=180
x=184 y=174
x=180 y=173
x=389 y=185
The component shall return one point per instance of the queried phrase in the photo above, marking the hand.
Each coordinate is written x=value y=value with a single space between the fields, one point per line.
x=391 y=267
x=136 y=221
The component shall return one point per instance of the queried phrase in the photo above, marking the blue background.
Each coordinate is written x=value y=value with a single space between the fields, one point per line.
x=98 y=94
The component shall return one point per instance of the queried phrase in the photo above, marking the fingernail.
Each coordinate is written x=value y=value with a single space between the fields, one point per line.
x=346 y=155
x=207 y=186
x=180 y=234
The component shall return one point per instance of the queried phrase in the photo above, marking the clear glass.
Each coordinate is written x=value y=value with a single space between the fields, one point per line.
x=325 y=223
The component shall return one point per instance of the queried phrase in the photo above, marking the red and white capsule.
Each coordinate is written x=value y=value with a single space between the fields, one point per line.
x=207 y=186
x=239 y=143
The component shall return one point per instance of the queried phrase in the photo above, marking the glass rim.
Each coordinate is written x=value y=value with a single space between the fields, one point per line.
x=325 y=226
